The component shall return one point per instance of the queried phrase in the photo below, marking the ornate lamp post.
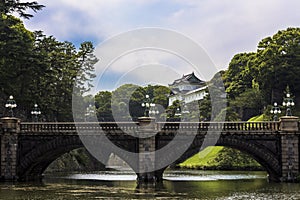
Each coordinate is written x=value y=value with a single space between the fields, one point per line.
x=153 y=111
x=288 y=102
x=177 y=113
x=147 y=104
x=184 y=111
x=90 y=111
x=275 y=110
x=36 y=112
x=11 y=104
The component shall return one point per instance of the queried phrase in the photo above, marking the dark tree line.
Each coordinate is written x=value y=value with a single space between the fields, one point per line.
x=256 y=80
x=10 y=6
x=125 y=103
x=36 y=68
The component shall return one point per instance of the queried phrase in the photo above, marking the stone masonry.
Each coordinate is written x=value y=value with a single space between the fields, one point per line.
x=28 y=148
x=9 y=148
x=289 y=148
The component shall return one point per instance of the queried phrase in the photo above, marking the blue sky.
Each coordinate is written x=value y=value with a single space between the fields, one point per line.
x=222 y=28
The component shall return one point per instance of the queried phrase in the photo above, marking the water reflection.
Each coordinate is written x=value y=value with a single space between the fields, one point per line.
x=177 y=185
x=200 y=175
x=171 y=175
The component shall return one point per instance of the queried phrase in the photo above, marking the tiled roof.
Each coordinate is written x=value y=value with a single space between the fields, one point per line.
x=189 y=78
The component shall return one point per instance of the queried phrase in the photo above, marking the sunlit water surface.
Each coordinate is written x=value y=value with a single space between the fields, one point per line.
x=178 y=184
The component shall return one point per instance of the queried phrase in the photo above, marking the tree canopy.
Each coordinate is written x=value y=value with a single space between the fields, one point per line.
x=125 y=102
x=36 y=68
x=257 y=79
x=11 y=6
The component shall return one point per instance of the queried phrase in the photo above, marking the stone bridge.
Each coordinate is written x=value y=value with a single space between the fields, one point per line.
x=27 y=149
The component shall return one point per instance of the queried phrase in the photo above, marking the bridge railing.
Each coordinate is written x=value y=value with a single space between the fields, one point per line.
x=29 y=127
x=70 y=127
x=225 y=126
x=252 y=126
x=32 y=127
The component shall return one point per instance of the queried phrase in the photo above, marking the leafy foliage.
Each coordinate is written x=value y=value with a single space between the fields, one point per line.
x=221 y=158
x=255 y=80
x=11 y=6
x=36 y=68
x=125 y=103
x=278 y=61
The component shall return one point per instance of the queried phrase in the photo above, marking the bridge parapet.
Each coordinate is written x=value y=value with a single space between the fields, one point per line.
x=276 y=144
x=289 y=124
x=47 y=127
x=222 y=126
x=72 y=128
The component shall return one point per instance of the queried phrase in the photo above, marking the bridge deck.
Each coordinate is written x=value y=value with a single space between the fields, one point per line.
x=72 y=128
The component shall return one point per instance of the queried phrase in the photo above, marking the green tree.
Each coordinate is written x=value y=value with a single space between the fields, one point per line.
x=255 y=80
x=159 y=95
x=172 y=110
x=126 y=102
x=36 y=68
x=16 y=58
x=248 y=104
x=103 y=106
x=64 y=68
x=240 y=74
x=85 y=72
x=58 y=62
x=278 y=61
x=11 y=6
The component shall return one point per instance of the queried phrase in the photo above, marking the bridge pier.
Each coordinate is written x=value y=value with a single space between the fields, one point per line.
x=146 y=150
x=9 y=148
x=289 y=149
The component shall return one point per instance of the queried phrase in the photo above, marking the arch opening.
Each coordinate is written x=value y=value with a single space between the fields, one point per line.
x=76 y=160
x=221 y=158
x=268 y=160
x=33 y=165
x=116 y=163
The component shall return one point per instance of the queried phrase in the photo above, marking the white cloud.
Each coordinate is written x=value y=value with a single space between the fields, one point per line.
x=231 y=26
x=91 y=17
x=144 y=51
x=223 y=28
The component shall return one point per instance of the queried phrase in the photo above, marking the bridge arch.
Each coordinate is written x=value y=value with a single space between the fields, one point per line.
x=266 y=158
x=35 y=162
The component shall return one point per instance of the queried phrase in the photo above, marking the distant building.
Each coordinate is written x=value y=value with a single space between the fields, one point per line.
x=187 y=89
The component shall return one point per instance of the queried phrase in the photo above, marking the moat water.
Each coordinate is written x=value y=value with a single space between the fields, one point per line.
x=178 y=184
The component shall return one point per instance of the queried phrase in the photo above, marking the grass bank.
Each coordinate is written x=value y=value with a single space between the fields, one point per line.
x=221 y=158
